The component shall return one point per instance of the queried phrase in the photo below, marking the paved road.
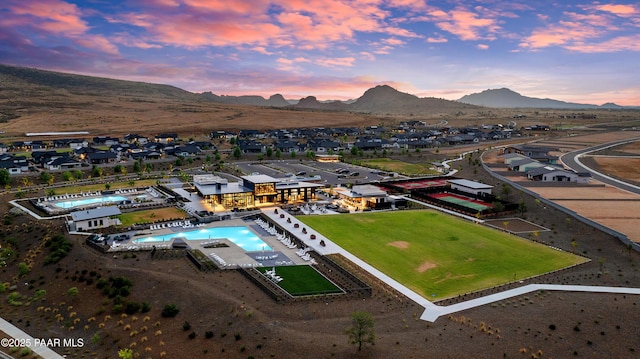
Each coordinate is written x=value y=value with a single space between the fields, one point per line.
x=572 y=160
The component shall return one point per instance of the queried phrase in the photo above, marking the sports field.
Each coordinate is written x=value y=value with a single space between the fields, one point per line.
x=438 y=255
x=303 y=280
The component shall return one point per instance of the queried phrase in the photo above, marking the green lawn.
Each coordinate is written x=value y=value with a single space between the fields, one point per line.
x=151 y=215
x=303 y=280
x=438 y=255
x=406 y=168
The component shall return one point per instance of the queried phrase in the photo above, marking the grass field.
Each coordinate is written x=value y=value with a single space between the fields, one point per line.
x=438 y=255
x=406 y=168
x=303 y=280
x=150 y=215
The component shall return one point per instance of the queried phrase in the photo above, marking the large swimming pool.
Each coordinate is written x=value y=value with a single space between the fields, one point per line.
x=240 y=236
x=89 y=201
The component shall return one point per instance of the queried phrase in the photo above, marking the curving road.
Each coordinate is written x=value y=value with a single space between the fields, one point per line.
x=572 y=160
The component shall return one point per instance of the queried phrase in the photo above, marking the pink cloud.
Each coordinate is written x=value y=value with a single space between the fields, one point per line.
x=583 y=32
x=465 y=24
x=339 y=62
x=437 y=40
x=49 y=15
x=618 y=9
x=483 y=47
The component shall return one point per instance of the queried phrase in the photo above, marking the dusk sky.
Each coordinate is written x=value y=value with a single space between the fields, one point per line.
x=579 y=51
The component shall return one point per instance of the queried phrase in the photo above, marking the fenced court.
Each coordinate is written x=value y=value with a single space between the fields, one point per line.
x=300 y=280
x=421 y=184
x=462 y=201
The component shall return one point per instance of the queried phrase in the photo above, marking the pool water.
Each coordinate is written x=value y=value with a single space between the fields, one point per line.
x=240 y=236
x=89 y=201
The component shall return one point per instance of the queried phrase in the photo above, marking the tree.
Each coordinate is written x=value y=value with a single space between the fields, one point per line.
x=269 y=152
x=46 y=177
x=293 y=154
x=136 y=167
x=67 y=176
x=361 y=330
x=278 y=153
x=77 y=174
x=237 y=152
x=354 y=150
x=506 y=190
x=96 y=171
x=5 y=177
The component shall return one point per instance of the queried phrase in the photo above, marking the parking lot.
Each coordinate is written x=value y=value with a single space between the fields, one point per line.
x=328 y=172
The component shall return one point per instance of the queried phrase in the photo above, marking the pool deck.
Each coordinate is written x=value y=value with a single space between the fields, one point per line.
x=232 y=255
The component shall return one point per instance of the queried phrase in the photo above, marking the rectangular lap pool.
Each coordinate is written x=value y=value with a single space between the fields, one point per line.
x=240 y=236
x=90 y=201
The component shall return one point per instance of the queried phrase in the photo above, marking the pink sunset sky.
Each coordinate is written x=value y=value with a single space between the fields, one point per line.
x=578 y=51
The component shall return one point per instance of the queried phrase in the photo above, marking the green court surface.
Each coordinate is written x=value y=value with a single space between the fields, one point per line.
x=464 y=203
x=438 y=255
x=302 y=280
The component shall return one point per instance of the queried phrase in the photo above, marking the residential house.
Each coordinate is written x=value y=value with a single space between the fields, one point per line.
x=14 y=164
x=555 y=174
x=525 y=165
x=286 y=146
x=105 y=141
x=538 y=153
x=166 y=138
x=62 y=163
x=323 y=145
x=102 y=157
x=251 y=146
x=184 y=151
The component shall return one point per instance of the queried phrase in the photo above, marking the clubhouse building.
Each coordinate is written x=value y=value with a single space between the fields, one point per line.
x=252 y=191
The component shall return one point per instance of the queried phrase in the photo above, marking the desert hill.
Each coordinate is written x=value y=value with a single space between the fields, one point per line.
x=506 y=98
x=34 y=100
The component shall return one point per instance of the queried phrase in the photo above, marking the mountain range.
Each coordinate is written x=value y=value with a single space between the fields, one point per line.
x=380 y=100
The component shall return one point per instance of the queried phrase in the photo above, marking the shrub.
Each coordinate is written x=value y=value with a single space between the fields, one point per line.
x=170 y=310
x=192 y=335
x=186 y=326
x=145 y=307
x=132 y=308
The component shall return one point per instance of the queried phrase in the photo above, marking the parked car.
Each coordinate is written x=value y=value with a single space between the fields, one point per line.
x=354 y=174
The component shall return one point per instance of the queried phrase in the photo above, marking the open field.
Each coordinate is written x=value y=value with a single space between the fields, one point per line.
x=437 y=255
x=405 y=168
x=619 y=167
x=303 y=280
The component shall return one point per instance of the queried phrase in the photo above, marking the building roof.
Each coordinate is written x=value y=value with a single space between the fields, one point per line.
x=224 y=188
x=260 y=179
x=99 y=212
x=368 y=190
x=287 y=184
x=470 y=184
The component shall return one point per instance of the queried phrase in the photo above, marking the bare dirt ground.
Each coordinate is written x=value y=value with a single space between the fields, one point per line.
x=609 y=206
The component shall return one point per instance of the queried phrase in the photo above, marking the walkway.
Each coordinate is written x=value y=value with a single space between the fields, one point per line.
x=432 y=311
x=14 y=332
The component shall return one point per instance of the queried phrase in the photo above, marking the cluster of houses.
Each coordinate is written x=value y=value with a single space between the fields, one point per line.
x=538 y=164
x=408 y=135
x=65 y=154
x=68 y=154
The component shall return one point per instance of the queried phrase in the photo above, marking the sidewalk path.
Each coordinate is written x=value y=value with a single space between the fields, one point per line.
x=14 y=332
x=432 y=311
